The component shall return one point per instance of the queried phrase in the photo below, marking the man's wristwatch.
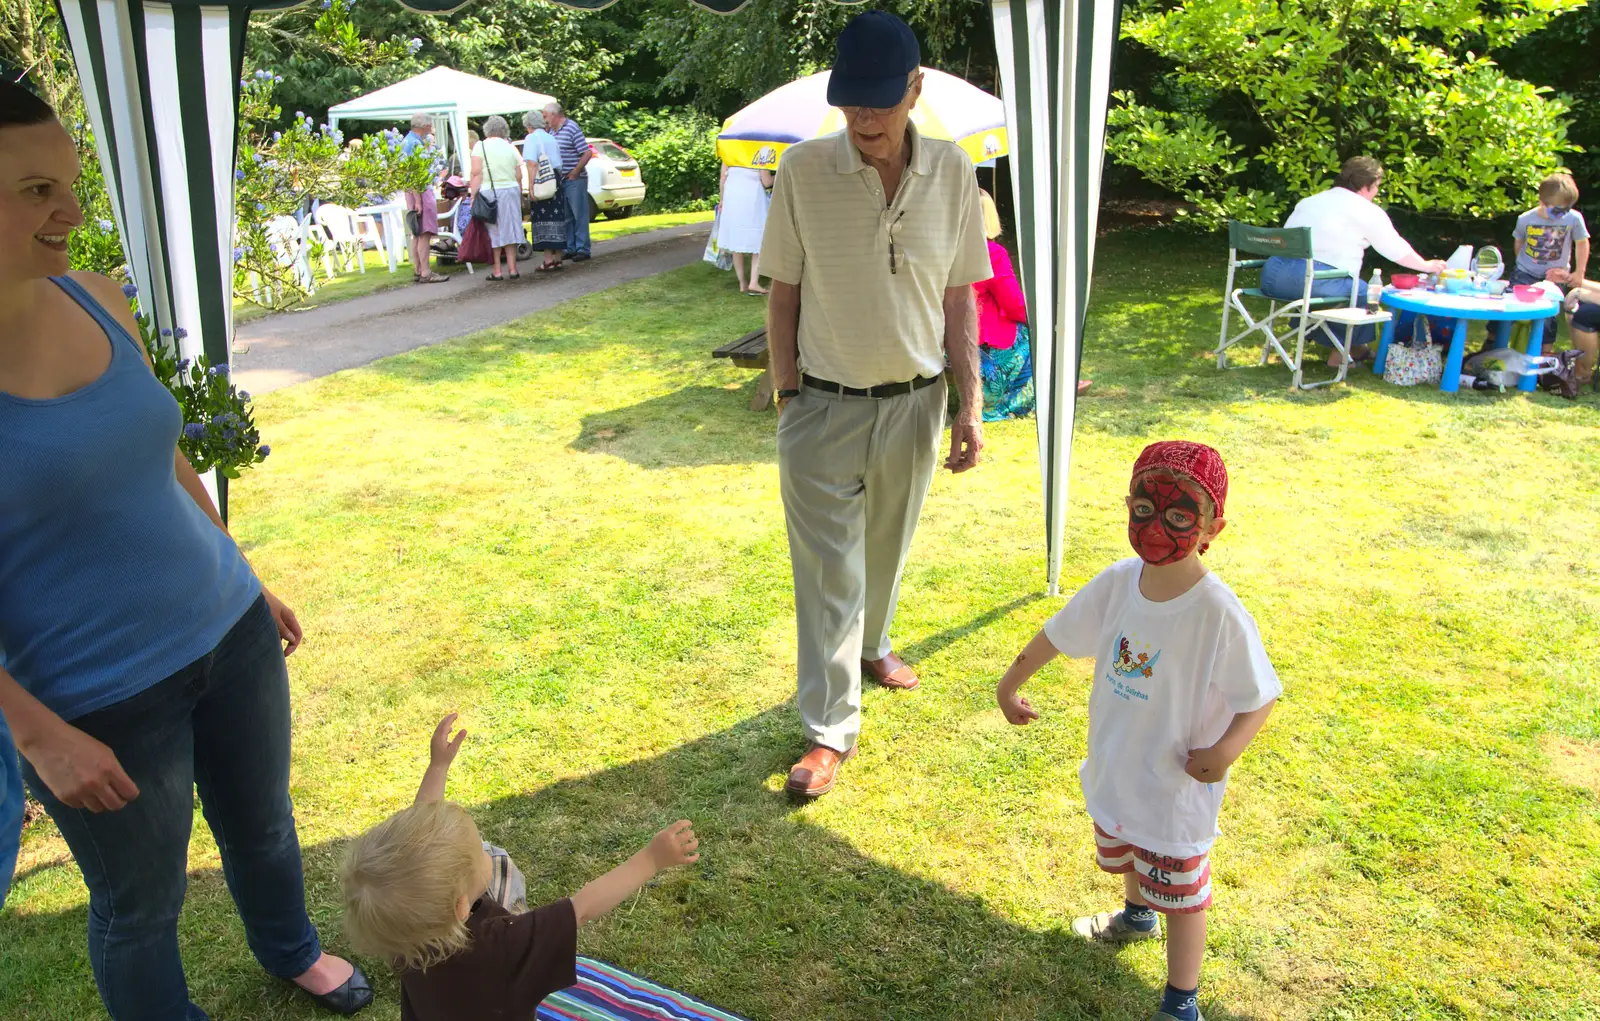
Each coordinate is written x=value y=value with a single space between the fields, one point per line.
x=784 y=395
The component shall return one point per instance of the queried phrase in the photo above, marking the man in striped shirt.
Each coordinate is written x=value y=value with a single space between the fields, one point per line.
x=575 y=156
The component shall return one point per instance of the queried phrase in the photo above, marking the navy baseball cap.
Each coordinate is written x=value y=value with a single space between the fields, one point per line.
x=875 y=56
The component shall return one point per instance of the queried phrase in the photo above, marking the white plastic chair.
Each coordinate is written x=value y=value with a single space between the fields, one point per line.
x=289 y=242
x=339 y=223
x=448 y=228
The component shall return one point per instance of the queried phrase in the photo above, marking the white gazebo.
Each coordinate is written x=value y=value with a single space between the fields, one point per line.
x=448 y=96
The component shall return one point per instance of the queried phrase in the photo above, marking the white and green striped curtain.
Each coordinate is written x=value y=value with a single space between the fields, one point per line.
x=1055 y=71
x=160 y=81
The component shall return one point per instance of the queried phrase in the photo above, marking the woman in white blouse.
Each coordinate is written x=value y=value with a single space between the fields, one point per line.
x=1344 y=222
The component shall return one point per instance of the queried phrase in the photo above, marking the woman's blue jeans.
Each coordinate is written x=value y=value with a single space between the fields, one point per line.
x=221 y=725
x=1285 y=280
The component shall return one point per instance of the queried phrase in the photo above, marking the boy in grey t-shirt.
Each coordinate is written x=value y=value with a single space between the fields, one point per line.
x=1547 y=234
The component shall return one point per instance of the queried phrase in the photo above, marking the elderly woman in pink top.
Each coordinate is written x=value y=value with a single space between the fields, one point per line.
x=1005 y=358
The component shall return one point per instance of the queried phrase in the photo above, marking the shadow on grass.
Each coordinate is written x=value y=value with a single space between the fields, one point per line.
x=697 y=425
x=780 y=920
x=937 y=643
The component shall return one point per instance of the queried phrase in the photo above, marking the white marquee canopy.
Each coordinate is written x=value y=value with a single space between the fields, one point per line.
x=449 y=96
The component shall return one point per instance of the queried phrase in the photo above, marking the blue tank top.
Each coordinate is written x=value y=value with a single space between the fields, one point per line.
x=111 y=577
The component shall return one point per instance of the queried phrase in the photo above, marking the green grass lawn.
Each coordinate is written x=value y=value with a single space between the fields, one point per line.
x=352 y=284
x=348 y=284
x=568 y=528
x=601 y=230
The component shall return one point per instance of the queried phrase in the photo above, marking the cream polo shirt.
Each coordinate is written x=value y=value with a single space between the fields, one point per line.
x=828 y=231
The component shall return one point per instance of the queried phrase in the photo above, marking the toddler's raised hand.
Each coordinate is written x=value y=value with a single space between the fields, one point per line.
x=442 y=747
x=673 y=846
x=1019 y=711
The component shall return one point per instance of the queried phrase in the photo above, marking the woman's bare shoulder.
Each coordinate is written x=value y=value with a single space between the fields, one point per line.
x=106 y=290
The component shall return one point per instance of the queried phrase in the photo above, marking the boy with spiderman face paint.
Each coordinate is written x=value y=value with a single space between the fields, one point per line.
x=1182 y=684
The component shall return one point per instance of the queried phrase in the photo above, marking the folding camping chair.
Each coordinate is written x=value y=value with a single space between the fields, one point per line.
x=1289 y=243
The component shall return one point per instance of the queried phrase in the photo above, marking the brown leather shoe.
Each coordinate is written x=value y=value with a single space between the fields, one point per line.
x=891 y=672
x=814 y=774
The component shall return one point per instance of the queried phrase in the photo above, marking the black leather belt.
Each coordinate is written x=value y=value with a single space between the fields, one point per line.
x=878 y=392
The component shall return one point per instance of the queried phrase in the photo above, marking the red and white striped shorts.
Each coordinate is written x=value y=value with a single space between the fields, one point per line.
x=1170 y=885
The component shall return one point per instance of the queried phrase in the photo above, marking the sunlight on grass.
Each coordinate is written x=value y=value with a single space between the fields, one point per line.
x=568 y=528
x=353 y=284
x=350 y=283
x=600 y=230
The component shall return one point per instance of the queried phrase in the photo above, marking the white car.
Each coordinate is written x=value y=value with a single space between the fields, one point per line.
x=616 y=184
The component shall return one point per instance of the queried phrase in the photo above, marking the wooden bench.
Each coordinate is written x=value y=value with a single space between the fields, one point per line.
x=750 y=352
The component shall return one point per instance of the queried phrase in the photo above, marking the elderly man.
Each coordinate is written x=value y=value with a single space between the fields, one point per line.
x=873 y=242
x=575 y=156
x=422 y=208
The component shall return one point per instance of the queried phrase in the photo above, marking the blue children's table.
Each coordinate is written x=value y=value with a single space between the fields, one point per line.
x=1464 y=308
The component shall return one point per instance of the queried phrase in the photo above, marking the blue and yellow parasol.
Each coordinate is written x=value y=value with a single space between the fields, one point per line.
x=950 y=108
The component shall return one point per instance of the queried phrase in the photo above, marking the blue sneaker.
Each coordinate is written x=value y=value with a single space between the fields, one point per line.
x=1110 y=927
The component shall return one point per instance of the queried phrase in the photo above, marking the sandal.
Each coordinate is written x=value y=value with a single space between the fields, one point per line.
x=494 y=278
x=516 y=276
x=550 y=268
x=432 y=278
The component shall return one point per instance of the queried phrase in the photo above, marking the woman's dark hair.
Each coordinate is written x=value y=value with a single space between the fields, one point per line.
x=1358 y=172
x=19 y=107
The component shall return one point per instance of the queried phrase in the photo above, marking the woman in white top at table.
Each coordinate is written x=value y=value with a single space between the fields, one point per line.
x=1344 y=222
x=744 y=219
x=497 y=169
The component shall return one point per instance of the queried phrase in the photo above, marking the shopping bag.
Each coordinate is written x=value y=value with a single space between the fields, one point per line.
x=1504 y=368
x=714 y=252
x=474 y=245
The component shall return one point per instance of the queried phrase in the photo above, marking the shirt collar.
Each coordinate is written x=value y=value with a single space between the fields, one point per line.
x=850 y=161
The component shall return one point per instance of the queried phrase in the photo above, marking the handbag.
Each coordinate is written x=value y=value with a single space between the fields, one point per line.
x=485 y=208
x=1418 y=361
x=545 y=184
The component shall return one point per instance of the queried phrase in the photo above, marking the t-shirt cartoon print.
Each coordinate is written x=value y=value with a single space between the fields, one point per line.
x=1545 y=242
x=1169 y=677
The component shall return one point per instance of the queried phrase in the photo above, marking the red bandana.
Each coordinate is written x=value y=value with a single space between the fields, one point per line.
x=1164 y=524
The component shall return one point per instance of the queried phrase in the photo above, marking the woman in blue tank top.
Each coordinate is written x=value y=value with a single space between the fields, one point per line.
x=140 y=658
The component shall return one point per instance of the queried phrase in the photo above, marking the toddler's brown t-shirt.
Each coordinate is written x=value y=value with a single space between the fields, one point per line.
x=513 y=962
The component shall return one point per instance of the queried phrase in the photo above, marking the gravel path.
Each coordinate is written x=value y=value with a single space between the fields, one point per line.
x=292 y=347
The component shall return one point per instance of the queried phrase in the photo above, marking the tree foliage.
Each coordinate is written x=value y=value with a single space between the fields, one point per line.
x=281 y=170
x=724 y=62
x=527 y=43
x=1263 y=100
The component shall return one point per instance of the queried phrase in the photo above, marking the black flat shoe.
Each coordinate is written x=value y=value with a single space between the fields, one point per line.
x=580 y=257
x=354 y=995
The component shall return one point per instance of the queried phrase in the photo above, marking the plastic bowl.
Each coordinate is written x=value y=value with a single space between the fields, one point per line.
x=1405 y=281
x=1528 y=293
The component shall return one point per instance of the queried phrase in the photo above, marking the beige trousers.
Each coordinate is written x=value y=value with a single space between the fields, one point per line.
x=854 y=473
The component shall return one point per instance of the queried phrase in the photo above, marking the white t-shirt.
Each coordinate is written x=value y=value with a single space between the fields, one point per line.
x=1343 y=224
x=1169 y=677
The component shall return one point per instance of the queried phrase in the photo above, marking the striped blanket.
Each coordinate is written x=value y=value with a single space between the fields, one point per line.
x=607 y=993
